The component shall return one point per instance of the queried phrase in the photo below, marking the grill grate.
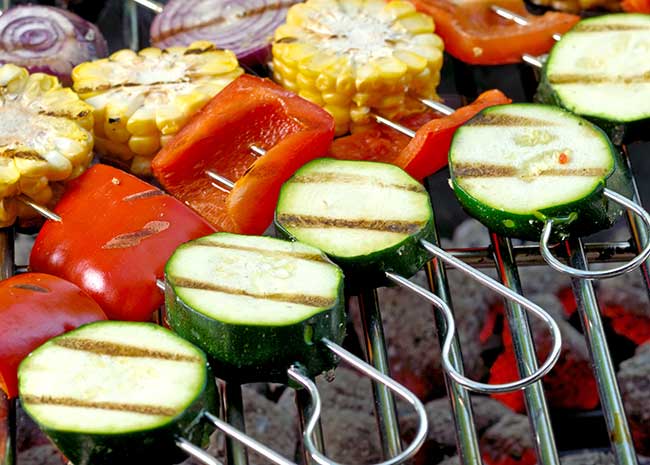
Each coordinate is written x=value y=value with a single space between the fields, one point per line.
x=503 y=256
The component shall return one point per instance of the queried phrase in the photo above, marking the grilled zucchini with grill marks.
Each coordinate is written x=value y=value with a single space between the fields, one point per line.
x=514 y=166
x=256 y=305
x=141 y=100
x=117 y=393
x=368 y=217
x=45 y=138
x=601 y=70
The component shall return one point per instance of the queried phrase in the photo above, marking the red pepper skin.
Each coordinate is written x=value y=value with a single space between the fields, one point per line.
x=34 y=308
x=115 y=238
x=474 y=34
x=428 y=151
x=249 y=111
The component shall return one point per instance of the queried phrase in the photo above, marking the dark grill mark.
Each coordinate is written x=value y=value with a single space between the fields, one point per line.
x=31 y=287
x=124 y=241
x=266 y=253
x=22 y=154
x=302 y=299
x=114 y=349
x=490 y=119
x=143 y=195
x=598 y=79
x=344 y=178
x=496 y=171
x=200 y=51
x=309 y=221
x=116 y=406
x=64 y=114
x=220 y=19
x=608 y=27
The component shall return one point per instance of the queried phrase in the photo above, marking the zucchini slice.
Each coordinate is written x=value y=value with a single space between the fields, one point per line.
x=514 y=166
x=601 y=70
x=367 y=217
x=255 y=304
x=116 y=392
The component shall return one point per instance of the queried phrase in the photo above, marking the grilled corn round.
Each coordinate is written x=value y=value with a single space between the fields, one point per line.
x=142 y=99
x=45 y=138
x=354 y=57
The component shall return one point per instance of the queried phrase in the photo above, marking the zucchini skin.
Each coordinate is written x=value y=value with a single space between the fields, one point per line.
x=404 y=259
x=585 y=216
x=137 y=448
x=249 y=353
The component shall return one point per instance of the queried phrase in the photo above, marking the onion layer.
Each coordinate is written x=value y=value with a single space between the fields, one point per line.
x=245 y=27
x=48 y=40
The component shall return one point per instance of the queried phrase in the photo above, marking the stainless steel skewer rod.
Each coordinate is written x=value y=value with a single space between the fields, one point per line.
x=156 y=7
x=512 y=16
x=44 y=211
x=296 y=375
x=196 y=452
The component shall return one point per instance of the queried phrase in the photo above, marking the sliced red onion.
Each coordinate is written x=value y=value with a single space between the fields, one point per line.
x=244 y=26
x=48 y=40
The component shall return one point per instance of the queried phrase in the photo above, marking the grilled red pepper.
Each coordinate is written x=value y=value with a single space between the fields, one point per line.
x=421 y=156
x=249 y=112
x=473 y=33
x=115 y=238
x=35 y=307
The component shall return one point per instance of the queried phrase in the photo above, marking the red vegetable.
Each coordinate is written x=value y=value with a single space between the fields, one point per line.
x=115 y=238
x=35 y=307
x=249 y=111
x=473 y=33
x=244 y=27
x=48 y=40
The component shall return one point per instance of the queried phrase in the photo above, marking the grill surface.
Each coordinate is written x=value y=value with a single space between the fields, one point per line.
x=500 y=255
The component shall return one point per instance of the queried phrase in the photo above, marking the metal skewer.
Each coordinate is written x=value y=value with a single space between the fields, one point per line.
x=44 y=211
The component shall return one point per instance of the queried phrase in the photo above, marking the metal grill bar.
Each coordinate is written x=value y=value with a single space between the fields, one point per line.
x=386 y=413
x=524 y=347
x=305 y=409
x=610 y=397
x=233 y=413
x=8 y=423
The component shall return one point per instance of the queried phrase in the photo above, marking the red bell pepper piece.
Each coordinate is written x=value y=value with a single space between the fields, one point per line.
x=35 y=307
x=636 y=6
x=428 y=151
x=115 y=238
x=249 y=111
x=421 y=156
x=473 y=33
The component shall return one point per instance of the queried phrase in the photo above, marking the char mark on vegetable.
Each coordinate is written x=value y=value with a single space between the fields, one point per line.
x=491 y=119
x=143 y=195
x=342 y=178
x=607 y=27
x=301 y=299
x=22 y=154
x=124 y=241
x=266 y=253
x=599 y=79
x=31 y=287
x=480 y=170
x=115 y=406
x=321 y=222
x=115 y=349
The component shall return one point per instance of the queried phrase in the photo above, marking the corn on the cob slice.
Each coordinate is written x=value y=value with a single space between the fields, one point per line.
x=357 y=56
x=141 y=99
x=45 y=138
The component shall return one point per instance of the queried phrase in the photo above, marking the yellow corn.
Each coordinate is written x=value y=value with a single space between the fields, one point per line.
x=142 y=99
x=357 y=57
x=45 y=137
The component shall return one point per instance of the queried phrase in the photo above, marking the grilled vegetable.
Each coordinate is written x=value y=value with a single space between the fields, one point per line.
x=599 y=70
x=115 y=392
x=35 y=307
x=354 y=56
x=244 y=27
x=115 y=238
x=473 y=33
x=48 y=40
x=141 y=100
x=636 y=6
x=515 y=166
x=249 y=112
x=421 y=156
x=367 y=217
x=256 y=305
x=45 y=138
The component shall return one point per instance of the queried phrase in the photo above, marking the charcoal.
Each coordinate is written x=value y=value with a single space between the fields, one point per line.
x=634 y=381
x=508 y=442
x=574 y=363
